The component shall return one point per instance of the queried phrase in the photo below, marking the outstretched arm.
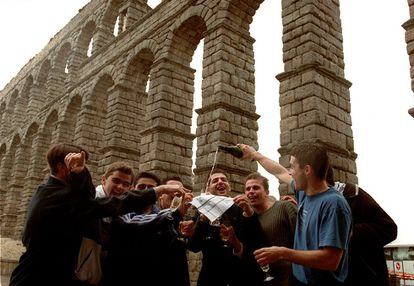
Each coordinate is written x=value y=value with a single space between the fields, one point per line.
x=326 y=258
x=268 y=164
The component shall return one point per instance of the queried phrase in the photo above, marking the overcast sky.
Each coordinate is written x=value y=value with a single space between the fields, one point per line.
x=376 y=63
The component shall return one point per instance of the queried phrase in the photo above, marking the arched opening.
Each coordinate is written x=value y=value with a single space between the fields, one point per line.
x=138 y=78
x=9 y=162
x=91 y=121
x=6 y=181
x=71 y=116
x=90 y=48
x=62 y=64
x=25 y=195
x=85 y=41
x=42 y=83
x=187 y=48
x=117 y=27
x=7 y=119
x=22 y=102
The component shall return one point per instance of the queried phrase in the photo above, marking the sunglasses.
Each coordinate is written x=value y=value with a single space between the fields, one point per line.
x=144 y=186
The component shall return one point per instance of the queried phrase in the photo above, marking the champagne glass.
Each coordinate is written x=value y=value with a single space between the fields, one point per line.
x=175 y=203
x=266 y=269
x=216 y=224
x=225 y=235
x=190 y=215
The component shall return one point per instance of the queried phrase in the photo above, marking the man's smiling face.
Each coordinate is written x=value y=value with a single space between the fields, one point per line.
x=219 y=185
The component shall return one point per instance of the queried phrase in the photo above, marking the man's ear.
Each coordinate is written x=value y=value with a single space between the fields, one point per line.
x=103 y=181
x=307 y=169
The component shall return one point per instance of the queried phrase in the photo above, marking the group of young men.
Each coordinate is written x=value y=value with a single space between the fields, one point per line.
x=310 y=239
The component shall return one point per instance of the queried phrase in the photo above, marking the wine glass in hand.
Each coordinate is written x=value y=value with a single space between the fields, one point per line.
x=266 y=269
x=225 y=232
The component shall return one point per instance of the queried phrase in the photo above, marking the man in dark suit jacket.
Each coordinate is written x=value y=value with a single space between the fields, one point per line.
x=372 y=229
x=221 y=265
x=61 y=211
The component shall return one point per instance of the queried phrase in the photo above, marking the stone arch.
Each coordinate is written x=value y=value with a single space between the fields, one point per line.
x=170 y=102
x=85 y=37
x=7 y=175
x=149 y=45
x=70 y=117
x=3 y=119
x=3 y=149
x=185 y=39
x=44 y=140
x=91 y=126
x=99 y=97
x=138 y=70
x=241 y=13
x=12 y=101
x=41 y=81
x=7 y=115
x=22 y=102
x=61 y=60
x=8 y=162
x=23 y=195
x=60 y=70
x=110 y=15
x=25 y=94
x=208 y=15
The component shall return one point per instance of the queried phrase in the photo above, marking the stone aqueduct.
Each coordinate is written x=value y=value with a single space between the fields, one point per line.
x=101 y=101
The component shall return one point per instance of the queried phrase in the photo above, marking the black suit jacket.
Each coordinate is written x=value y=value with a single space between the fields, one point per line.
x=58 y=216
x=219 y=265
x=372 y=229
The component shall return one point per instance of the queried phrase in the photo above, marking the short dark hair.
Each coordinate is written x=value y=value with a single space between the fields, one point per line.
x=313 y=154
x=330 y=176
x=215 y=171
x=258 y=176
x=57 y=153
x=174 y=178
x=147 y=175
x=120 y=166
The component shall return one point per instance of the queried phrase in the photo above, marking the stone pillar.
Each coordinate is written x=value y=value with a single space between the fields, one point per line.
x=14 y=189
x=37 y=99
x=228 y=113
x=19 y=114
x=314 y=95
x=135 y=10
x=166 y=143
x=86 y=135
x=101 y=37
x=36 y=173
x=2 y=189
x=76 y=57
x=6 y=175
x=55 y=83
x=409 y=39
x=5 y=122
x=125 y=120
